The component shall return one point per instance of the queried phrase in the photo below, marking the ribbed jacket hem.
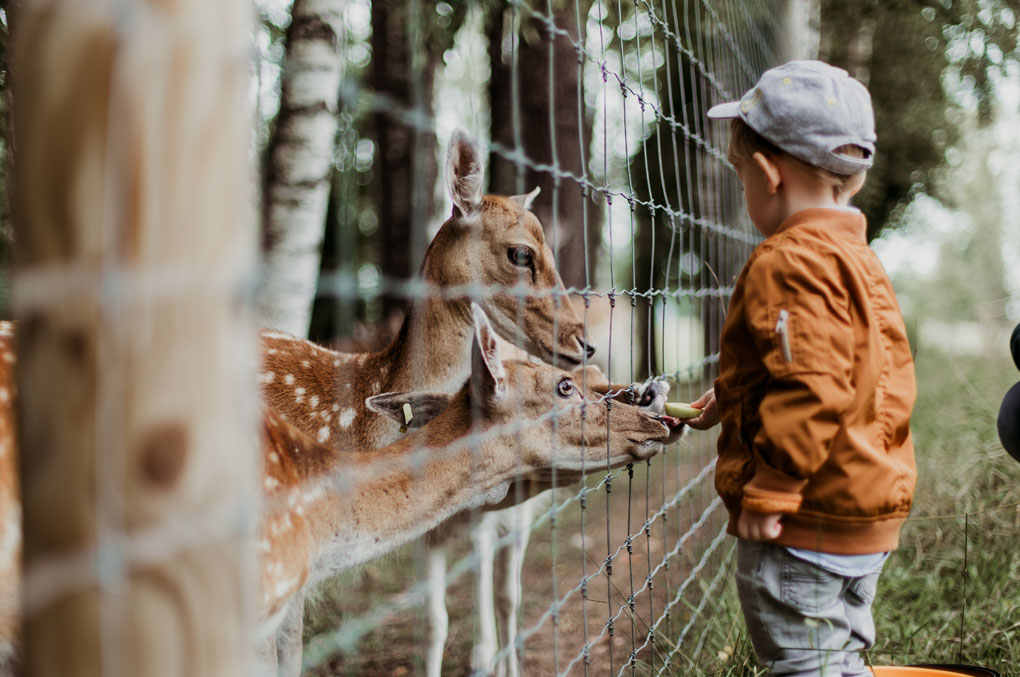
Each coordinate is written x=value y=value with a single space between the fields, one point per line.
x=836 y=537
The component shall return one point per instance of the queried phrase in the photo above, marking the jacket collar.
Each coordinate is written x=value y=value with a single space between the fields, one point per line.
x=847 y=223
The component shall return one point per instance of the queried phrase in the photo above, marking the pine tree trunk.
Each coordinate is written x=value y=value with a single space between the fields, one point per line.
x=137 y=458
x=572 y=133
x=299 y=164
x=405 y=159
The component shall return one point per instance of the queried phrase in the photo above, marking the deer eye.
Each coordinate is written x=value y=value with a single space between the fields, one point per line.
x=565 y=388
x=520 y=256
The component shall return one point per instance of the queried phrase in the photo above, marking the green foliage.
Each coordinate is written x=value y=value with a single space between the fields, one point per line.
x=923 y=601
x=923 y=61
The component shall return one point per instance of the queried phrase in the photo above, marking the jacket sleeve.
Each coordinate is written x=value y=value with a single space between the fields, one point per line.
x=797 y=310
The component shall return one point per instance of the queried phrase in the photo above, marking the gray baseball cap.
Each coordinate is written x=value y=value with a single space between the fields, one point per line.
x=808 y=109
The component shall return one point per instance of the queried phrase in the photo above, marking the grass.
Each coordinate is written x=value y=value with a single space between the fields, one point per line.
x=927 y=610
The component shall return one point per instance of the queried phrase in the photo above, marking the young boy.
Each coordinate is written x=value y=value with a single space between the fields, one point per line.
x=816 y=381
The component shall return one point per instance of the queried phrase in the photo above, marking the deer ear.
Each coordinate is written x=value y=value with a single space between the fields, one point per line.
x=488 y=379
x=423 y=406
x=464 y=173
x=528 y=198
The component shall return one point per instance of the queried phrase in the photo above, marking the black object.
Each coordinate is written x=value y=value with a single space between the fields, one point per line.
x=972 y=670
x=1009 y=421
x=1014 y=346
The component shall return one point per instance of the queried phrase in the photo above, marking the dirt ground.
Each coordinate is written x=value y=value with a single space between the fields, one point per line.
x=558 y=558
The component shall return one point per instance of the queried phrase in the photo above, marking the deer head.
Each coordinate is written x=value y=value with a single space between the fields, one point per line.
x=498 y=244
x=541 y=415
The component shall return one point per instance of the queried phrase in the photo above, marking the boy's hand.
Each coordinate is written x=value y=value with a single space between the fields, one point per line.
x=756 y=526
x=709 y=412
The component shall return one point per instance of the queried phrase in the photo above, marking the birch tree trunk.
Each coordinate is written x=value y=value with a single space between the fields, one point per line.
x=299 y=162
x=137 y=447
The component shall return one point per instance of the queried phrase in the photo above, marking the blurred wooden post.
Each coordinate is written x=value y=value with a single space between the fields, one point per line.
x=133 y=234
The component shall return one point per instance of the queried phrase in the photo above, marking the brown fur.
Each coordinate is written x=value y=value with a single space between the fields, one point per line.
x=326 y=389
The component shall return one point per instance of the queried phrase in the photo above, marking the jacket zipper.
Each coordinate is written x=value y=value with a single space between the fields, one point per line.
x=784 y=335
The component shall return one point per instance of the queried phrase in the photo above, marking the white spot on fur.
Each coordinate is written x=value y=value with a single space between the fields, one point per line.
x=5 y=395
x=272 y=483
x=274 y=457
x=264 y=378
x=346 y=416
x=313 y=495
x=313 y=400
x=11 y=535
x=285 y=586
x=278 y=336
x=323 y=433
x=299 y=395
x=306 y=364
x=271 y=351
x=335 y=408
x=289 y=379
x=336 y=362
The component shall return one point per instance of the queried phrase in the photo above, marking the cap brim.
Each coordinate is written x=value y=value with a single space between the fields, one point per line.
x=722 y=111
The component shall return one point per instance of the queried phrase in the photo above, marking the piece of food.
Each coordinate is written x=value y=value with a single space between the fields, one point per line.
x=671 y=422
x=682 y=411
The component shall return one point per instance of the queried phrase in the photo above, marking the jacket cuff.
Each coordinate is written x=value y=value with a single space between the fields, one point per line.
x=770 y=491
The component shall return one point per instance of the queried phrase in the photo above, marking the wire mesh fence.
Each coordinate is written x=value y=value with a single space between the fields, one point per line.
x=602 y=106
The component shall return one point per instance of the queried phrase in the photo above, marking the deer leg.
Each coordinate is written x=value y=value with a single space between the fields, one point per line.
x=439 y=620
x=510 y=560
x=289 y=642
x=484 y=536
x=265 y=657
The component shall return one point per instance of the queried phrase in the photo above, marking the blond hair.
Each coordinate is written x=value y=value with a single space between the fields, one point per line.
x=745 y=142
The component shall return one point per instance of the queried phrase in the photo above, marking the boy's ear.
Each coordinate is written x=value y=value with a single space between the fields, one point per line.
x=856 y=186
x=773 y=179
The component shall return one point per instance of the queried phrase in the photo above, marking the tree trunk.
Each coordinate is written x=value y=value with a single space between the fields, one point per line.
x=133 y=240
x=405 y=159
x=299 y=164
x=563 y=204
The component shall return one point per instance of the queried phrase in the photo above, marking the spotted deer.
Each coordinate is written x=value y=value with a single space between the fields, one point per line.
x=492 y=247
x=326 y=511
x=10 y=506
x=330 y=511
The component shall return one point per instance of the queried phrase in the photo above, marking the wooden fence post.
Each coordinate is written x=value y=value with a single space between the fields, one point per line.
x=134 y=233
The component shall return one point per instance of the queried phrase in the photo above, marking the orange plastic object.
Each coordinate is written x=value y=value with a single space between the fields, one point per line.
x=897 y=671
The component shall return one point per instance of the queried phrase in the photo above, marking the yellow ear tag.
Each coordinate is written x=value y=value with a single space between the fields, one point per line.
x=407 y=417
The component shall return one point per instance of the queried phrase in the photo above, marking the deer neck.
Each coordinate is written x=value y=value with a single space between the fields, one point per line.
x=433 y=349
x=395 y=494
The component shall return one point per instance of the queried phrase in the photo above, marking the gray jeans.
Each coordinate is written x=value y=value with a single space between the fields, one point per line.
x=802 y=619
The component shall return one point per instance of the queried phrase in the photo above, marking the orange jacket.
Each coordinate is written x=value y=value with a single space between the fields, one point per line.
x=815 y=390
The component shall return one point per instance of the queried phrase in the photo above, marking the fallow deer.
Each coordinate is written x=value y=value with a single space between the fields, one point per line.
x=10 y=505
x=327 y=511
x=330 y=511
x=492 y=247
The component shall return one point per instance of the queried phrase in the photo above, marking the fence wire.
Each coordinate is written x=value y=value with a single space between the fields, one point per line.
x=622 y=568
x=621 y=572
x=603 y=104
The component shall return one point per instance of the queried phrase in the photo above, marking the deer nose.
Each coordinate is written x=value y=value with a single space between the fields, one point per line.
x=589 y=349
